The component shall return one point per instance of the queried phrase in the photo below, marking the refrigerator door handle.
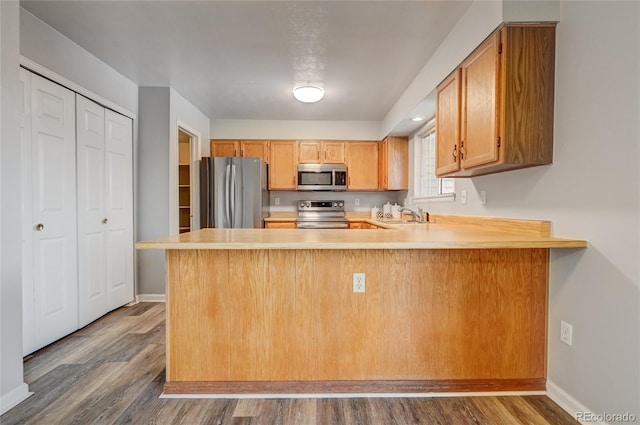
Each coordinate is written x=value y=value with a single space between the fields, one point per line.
x=233 y=194
x=226 y=195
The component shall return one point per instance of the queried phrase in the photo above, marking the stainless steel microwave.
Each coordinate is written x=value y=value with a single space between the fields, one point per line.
x=322 y=177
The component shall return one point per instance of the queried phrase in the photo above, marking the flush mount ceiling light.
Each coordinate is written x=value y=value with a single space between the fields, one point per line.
x=416 y=119
x=308 y=93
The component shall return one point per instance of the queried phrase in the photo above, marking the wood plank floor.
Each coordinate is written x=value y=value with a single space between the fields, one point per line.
x=112 y=372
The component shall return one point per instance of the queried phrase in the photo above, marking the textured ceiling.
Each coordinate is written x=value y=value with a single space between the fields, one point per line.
x=241 y=59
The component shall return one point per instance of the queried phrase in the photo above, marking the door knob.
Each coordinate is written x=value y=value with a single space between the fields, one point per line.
x=105 y=220
x=39 y=227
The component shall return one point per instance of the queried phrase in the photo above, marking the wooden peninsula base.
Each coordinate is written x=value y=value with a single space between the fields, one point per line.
x=455 y=305
x=288 y=321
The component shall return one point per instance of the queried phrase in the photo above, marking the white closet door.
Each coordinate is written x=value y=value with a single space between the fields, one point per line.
x=92 y=228
x=53 y=225
x=119 y=204
x=28 y=297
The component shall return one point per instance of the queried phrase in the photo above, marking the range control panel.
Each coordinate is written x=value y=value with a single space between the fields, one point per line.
x=320 y=205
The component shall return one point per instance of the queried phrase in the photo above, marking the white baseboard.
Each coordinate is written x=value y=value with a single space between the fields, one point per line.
x=570 y=404
x=14 y=397
x=356 y=395
x=151 y=298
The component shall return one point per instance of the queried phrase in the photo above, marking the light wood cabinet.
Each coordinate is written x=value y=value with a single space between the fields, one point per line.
x=280 y=225
x=448 y=124
x=255 y=148
x=321 y=152
x=244 y=148
x=333 y=152
x=362 y=165
x=506 y=104
x=284 y=164
x=393 y=163
x=309 y=152
x=225 y=148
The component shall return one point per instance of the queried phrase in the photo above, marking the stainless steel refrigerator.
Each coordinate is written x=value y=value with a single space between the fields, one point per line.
x=233 y=192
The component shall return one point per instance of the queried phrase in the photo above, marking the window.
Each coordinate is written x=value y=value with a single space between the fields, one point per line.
x=427 y=185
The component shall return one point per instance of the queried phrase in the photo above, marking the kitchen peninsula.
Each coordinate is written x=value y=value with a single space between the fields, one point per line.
x=456 y=305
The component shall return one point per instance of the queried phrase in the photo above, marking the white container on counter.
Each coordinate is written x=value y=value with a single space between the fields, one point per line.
x=374 y=212
x=395 y=210
x=386 y=210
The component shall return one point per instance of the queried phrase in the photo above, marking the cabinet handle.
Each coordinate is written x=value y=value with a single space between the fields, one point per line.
x=105 y=220
x=455 y=149
x=39 y=227
x=461 y=151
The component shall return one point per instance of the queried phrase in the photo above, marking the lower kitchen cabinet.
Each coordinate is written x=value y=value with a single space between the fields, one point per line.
x=280 y=225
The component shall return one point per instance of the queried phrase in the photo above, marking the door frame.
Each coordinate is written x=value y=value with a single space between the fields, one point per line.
x=195 y=157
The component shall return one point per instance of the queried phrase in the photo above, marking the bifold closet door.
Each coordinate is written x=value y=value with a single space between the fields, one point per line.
x=92 y=211
x=50 y=291
x=119 y=203
x=105 y=209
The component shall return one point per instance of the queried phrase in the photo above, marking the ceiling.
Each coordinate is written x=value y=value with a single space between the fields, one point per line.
x=241 y=59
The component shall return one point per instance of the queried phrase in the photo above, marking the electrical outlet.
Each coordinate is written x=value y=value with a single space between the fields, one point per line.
x=566 y=333
x=483 y=197
x=463 y=197
x=357 y=202
x=277 y=201
x=358 y=282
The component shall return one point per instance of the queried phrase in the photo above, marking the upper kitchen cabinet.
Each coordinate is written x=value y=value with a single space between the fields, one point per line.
x=244 y=148
x=393 y=163
x=362 y=165
x=321 y=152
x=225 y=148
x=283 y=171
x=448 y=124
x=255 y=148
x=505 y=104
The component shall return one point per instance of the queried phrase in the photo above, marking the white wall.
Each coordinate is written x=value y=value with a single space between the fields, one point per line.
x=184 y=114
x=23 y=34
x=327 y=130
x=591 y=191
x=153 y=184
x=49 y=48
x=12 y=386
x=161 y=110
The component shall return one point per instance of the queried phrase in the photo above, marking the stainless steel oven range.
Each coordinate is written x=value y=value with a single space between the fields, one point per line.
x=321 y=215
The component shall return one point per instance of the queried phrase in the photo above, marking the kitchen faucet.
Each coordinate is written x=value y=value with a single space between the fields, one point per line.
x=416 y=216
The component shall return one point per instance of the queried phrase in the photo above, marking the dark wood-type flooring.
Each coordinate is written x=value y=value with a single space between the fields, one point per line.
x=112 y=372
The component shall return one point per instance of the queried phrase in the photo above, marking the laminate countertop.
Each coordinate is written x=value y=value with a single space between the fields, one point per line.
x=400 y=236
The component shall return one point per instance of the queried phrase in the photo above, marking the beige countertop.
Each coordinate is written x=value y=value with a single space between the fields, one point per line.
x=402 y=236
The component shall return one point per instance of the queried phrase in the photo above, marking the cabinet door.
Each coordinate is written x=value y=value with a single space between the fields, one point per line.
x=309 y=152
x=479 y=136
x=225 y=148
x=362 y=165
x=332 y=152
x=448 y=125
x=393 y=163
x=92 y=234
x=255 y=148
x=284 y=164
x=53 y=221
x=119 y=208
x=280 y=225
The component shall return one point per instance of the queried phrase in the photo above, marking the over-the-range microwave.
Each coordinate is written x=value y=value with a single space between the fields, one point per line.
x=322 y=177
